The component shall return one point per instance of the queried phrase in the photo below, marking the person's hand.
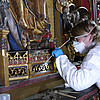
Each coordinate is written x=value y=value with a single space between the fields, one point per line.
x=57 y=52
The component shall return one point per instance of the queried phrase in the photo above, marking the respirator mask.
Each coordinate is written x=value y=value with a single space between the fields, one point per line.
x=80 y=46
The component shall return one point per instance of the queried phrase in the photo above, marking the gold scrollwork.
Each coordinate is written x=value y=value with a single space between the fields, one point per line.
x=40 y=68
x=17 y=71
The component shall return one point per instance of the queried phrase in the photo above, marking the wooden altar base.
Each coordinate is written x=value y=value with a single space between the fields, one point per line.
x=19 y=90
x=67 y=93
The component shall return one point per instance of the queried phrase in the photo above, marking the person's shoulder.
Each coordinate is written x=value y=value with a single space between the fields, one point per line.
x=95 y=50
x=95 y=56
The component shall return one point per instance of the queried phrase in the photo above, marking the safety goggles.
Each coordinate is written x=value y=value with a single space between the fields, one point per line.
x=85 y=34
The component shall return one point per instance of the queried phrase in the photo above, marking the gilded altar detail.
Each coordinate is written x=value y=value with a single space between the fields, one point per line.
x=18 y=65
x=37 y=59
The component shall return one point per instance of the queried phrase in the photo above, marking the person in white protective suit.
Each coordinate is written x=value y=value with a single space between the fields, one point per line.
x=87 y=40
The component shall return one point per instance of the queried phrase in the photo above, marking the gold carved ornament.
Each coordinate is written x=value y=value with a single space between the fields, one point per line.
x=60 y=4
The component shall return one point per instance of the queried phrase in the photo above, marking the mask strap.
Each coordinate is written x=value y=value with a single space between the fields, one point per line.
x=86 y=34
x=92 y=29
x=89 y=40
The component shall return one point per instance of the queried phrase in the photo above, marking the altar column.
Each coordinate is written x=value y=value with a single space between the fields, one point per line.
x=4 y=75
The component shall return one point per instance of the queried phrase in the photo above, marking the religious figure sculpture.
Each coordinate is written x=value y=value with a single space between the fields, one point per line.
x=29 y=23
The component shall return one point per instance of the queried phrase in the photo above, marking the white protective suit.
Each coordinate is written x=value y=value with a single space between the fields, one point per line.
x=85 y=77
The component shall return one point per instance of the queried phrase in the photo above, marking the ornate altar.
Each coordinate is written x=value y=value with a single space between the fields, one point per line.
x=25 y=39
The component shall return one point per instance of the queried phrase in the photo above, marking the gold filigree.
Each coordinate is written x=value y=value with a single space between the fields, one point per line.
x=40 y=68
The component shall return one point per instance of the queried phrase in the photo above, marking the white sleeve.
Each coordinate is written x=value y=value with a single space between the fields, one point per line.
x=77 y=79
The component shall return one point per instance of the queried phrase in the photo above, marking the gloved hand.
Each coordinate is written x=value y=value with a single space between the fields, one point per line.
x=57 y=52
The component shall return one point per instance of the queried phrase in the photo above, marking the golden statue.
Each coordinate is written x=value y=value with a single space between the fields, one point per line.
x=32 y=20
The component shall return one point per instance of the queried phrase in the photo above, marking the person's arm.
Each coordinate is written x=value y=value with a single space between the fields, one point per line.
x=77 y=79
